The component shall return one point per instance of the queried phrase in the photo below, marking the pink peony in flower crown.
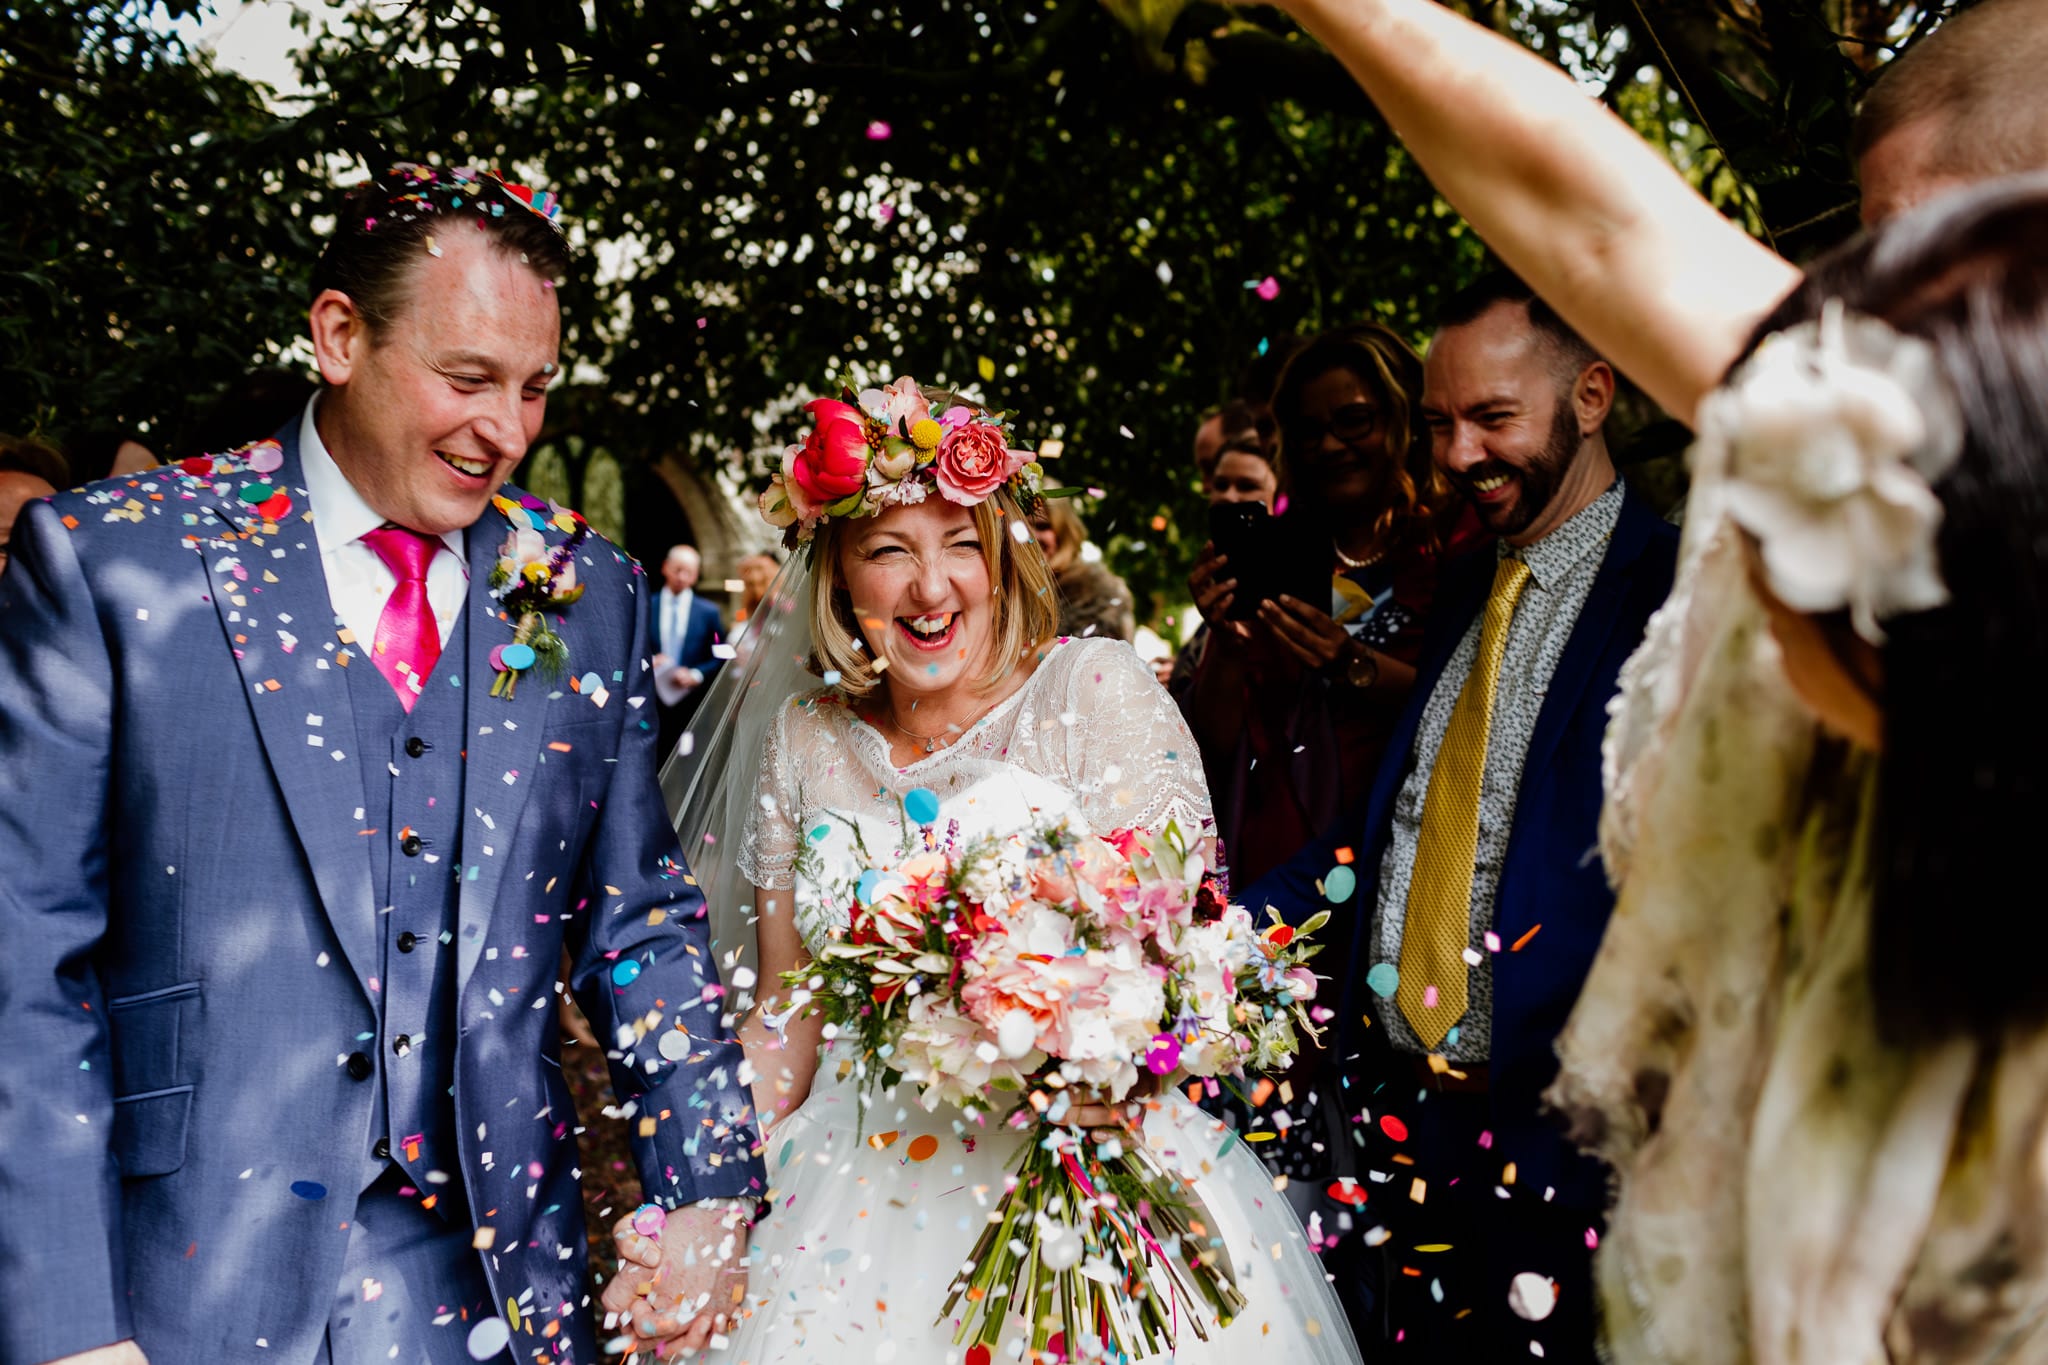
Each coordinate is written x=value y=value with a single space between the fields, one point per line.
x=886 y=448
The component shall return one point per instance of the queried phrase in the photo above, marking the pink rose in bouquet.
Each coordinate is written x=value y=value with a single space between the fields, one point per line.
x=832 y=462
x=973 y=462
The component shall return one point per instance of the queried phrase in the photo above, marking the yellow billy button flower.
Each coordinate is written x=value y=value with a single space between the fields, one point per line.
x=926 y=436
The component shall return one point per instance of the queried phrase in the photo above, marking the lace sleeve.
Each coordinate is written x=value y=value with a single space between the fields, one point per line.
x=768 y=845
x=1129 y=753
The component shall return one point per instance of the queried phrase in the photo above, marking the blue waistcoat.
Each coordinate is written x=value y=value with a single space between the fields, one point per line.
x=412 y=779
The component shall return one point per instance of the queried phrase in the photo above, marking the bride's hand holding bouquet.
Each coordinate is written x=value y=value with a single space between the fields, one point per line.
x=1035 y=982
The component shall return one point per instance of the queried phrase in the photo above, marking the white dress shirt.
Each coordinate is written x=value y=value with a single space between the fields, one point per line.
x=358 y=581
x=674 y=621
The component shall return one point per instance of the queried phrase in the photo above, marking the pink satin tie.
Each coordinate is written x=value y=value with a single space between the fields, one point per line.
x=408 y=638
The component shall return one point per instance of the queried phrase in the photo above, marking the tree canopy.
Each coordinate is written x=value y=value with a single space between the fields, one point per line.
x=1092 y=213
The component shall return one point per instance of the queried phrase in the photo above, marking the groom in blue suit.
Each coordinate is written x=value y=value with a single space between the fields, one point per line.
x=1480 y=897
x=296 y=831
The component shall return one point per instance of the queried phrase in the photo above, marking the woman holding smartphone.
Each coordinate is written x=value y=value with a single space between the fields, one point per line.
x=1304 y=675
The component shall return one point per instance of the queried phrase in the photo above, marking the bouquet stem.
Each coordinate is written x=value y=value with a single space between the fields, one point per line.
x=1097 y=1257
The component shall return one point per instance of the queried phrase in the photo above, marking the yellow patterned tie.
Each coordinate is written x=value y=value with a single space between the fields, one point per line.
x=1438 y=929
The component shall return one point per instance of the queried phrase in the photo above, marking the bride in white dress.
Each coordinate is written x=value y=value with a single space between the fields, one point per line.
x=930 y=623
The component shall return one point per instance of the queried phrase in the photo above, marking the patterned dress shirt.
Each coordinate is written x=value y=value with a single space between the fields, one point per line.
x=1562 y=567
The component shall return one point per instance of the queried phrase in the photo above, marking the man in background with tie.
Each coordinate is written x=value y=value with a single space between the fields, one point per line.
x=688 y=632
x=1480 y=899
x=315 y=757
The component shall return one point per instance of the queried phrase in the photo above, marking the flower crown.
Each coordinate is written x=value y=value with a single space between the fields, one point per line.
x=409 y=190
x=1831 y=437
x=886 y=448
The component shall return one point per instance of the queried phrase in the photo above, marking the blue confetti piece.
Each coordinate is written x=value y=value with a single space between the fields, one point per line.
x=1339 y=884
x=309 y=1189
x=921 y=804
x=626 y=972
x=1385 y=979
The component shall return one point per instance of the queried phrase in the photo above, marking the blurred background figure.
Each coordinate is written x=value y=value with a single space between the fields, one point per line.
x=255 y=406
x=109 y=452
x=687 y=632
x=1221 y=427
x=755 y=573
x=1243 y=472
x=29 y=469
x=1293 y=707
x=1093 y=601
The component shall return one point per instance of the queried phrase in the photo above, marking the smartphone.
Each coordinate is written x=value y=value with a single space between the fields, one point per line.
x=1269 y=556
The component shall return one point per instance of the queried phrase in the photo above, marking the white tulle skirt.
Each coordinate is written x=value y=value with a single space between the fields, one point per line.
x=874 y=1217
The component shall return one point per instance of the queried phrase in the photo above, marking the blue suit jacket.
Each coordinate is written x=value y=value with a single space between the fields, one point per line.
x=706 y=627
x=1552 y=876
x=191 y=935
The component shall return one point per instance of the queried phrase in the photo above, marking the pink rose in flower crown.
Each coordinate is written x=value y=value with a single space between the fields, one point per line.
x=973 y=462
x=833 y=460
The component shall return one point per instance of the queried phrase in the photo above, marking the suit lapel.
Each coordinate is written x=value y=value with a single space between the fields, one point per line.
x=502 y=743
x=270 y=590
x=1590 y=633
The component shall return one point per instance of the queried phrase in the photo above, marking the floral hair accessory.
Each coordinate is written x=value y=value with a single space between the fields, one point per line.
x=532 y=578
x=887 y=447
x=1831 y=436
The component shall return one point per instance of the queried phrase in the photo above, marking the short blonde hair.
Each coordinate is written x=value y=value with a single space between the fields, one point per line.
x=1027 y=612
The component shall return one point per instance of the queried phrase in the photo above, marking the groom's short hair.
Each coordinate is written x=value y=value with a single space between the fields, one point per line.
x=390 y=221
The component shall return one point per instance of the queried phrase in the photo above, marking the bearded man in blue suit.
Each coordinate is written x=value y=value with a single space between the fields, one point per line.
x=298 y=822
x=1480 y=900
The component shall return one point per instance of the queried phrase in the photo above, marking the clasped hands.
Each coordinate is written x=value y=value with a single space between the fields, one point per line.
x=675 y=1289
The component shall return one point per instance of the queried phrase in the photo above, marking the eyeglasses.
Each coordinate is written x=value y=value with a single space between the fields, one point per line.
x=1350 y=424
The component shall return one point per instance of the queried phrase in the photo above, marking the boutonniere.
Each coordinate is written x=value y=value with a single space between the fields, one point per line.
x=532 y=579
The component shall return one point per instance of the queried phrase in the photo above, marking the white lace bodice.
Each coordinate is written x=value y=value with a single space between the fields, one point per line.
x=1090 y=737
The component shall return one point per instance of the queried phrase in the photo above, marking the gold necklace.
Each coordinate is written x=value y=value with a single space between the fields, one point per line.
x=931 y=742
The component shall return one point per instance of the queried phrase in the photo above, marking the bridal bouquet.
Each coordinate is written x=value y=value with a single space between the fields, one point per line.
x=1021 y=977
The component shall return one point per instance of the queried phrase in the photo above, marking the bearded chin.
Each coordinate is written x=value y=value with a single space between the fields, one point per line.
x=1538 y=483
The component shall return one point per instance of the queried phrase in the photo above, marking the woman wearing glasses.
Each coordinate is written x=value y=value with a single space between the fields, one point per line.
x=1292 y=703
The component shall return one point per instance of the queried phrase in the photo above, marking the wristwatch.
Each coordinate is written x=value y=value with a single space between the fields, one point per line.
x=1361 y=667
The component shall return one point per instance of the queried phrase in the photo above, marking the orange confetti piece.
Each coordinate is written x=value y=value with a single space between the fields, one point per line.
x=880 y=1140
x=1344 y=857
x=922 y=1148
x=1517 y=947
x=559 y=747
x=1262 y=1092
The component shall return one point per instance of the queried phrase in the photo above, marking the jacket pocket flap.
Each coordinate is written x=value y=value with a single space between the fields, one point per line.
x=149 y=1131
